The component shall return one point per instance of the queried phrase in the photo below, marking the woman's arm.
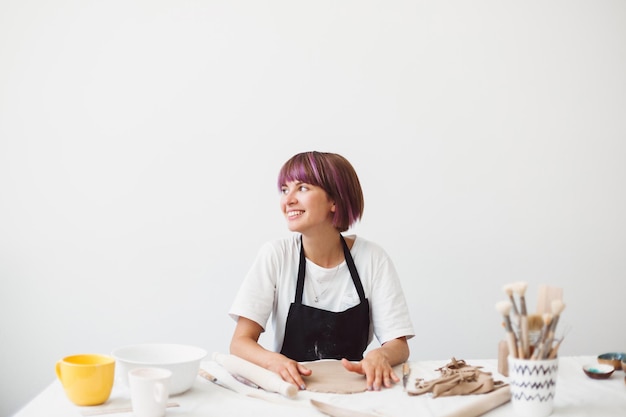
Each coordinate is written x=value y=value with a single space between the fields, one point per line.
x=377 y=365
x=244 y=344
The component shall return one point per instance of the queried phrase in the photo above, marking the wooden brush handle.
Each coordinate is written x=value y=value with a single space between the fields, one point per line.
x=513 y=305
x=525 y=338
x=537 y=351
x=540 y=342
x=547 y=346
x=512 y=343
x=522 y=305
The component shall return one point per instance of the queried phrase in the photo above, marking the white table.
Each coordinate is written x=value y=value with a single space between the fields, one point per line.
x=576 y=395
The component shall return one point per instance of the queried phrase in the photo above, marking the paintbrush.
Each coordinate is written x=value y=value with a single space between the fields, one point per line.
x=508 y=290
x=504 y=307
x=547 y=319
x=557 y=308
x=535 y=325
x=520 y=289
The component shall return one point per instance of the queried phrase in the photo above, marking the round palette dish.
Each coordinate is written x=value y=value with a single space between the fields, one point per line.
x=598 y=371
x=613 y=358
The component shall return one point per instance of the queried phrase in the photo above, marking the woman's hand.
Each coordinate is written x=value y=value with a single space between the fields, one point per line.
x=377 y=370
x=377 y=365
x=245 y=345
x=289 y=370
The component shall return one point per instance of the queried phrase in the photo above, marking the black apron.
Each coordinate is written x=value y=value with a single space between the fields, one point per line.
x=312 y=333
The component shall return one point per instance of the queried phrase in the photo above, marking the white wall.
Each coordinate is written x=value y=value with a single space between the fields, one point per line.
x=140 y=141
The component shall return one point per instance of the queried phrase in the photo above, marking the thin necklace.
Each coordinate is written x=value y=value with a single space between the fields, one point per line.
x=317 y=297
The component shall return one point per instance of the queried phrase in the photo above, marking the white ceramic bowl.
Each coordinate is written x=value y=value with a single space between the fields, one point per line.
x=182 y=360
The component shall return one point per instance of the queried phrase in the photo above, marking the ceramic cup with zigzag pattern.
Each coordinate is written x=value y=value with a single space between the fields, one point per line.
x=533 y=385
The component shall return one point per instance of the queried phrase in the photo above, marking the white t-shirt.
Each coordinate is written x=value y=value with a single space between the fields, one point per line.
x=269 y=289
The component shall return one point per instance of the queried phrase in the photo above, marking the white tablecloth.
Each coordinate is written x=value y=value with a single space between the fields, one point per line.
x=576 y=395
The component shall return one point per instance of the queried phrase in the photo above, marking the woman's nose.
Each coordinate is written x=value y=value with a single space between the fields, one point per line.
x=289 y=197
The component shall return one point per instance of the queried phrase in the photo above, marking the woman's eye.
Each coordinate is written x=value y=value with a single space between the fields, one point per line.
x=299 y=187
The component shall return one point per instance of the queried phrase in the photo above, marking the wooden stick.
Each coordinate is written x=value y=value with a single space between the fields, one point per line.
x=504 y=307
x=520 y=290
x=545 y=297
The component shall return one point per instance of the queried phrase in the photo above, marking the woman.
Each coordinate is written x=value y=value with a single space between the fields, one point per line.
x=327 y=294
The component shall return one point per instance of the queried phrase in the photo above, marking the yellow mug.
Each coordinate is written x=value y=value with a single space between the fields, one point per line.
x=87 y=379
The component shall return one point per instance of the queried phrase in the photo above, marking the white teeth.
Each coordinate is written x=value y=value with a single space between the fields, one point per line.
x=294 y=213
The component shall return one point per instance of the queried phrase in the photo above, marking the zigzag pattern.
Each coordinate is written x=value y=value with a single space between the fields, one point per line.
x=534 y=385
x=534 y=397
x=524 y=369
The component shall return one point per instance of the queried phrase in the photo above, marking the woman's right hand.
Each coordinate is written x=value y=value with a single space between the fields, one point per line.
x=289 y=370
x=245 y=345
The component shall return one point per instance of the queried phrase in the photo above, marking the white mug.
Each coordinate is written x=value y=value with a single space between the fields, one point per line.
x=149 y=391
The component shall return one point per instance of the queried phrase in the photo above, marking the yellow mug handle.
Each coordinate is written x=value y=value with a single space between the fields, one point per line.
x=58 y=370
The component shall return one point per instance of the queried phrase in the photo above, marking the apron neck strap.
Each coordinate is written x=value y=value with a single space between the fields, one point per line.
x=351 y=267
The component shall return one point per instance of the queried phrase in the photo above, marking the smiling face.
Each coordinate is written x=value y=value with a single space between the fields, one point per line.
x=305 y=206
x=336 y=178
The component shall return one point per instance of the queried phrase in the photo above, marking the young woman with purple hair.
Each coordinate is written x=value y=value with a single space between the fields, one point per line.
x=327 y=294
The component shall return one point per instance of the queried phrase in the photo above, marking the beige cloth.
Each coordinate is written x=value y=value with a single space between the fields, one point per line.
x=329 y=375
x=457 y=378
x=483 y=404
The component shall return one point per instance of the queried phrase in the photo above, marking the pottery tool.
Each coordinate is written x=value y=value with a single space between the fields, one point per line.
x=545 y=297
x=406 y=371
x=520 y=289
x=206 y=375
x=246 y=381
x=503 y=358
x=262 y=377
x=555 y=349
x=557 y=308
x=504 y=307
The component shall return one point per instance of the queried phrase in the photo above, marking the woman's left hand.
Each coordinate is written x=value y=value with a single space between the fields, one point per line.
x=377 y=366
x=376 y=369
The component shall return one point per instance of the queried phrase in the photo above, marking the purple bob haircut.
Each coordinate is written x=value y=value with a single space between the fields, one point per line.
x=335 y=175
